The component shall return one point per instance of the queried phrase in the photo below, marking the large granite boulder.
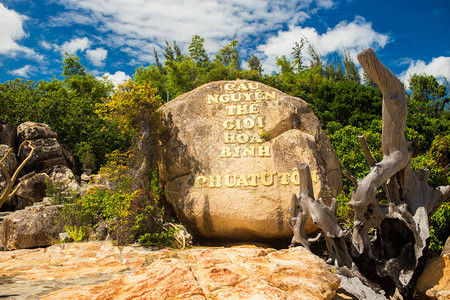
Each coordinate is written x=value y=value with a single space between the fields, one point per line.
x=8 y=134
x=228 y=159
x=31 y=227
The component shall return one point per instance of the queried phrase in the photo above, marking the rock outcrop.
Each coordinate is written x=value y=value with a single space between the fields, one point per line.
x=8 y=133
x=32 y=189
x=97 y=270
x=434 y=283
x=50 y=160
x=34 y=226
x=229 y=155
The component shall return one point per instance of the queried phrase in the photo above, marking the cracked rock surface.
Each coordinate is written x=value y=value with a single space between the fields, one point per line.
x=100 y=270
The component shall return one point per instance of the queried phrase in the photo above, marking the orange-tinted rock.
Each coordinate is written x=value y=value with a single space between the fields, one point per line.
x=435 y=280
x=100 y=270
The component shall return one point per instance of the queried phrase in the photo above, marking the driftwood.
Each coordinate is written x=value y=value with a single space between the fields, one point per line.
x=10 y=190
x=388 y=242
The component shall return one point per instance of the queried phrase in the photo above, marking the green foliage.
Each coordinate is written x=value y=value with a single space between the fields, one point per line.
x=86 y=155
x=131 y=104
x=347 y=148
x=76 y=233
x=440 y=227
x=428 y=95
x=68 y=106
x=351 y=71
x=436 y=160
x=159 y=238
x=131 y=215
x=229 y=55
x=345 y=212
x=197 y=51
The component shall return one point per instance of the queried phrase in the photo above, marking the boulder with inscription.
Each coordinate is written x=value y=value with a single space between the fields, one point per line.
x=228 y=159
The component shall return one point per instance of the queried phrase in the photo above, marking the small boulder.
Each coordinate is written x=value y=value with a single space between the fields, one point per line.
x=34 y=226
x=64 y=178
x=11 y=162
x=31 y=190
x=33 y=131
x=8 y=134
x=46 y=155
x=11 y=165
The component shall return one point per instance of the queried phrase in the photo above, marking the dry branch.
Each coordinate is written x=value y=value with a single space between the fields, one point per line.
x=9 y=192
x=388 y=241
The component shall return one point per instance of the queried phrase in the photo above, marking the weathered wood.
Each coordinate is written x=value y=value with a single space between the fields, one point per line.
x=388 y=241
x=9 y=192
x=324 y=217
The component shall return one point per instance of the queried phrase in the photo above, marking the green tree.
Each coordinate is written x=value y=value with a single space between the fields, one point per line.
x=72 y=66
x=254 y=64
x=316 y=63
x=134 y=107
x=229 y=55
x=297 y=54
x=428 y=95
x=351 y=71
x=197 y=51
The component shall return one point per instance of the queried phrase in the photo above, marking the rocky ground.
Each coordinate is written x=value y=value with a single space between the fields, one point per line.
x=100 y=270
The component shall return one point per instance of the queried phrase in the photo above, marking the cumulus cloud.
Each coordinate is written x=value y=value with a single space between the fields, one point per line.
x=439 y=67
x=75 y=45
x=345 y=36
x=25 y=71
x=325 y=3
x=11 y=30
x=217 y=21
x=97 y=56
x=117 y=78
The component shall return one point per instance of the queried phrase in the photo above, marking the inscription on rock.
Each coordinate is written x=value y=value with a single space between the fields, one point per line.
x=228 y=163
x=243 y=128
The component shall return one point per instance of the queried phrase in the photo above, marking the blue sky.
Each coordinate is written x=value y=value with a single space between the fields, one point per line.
x=114 y=37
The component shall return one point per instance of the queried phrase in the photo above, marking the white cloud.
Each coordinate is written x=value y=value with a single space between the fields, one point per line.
x=11 y=31
x=46 y=45
x=439 y=67
x=217 y=21
x=350 y=37
x=117 y=78
x=325 y=3
x=97 y=56
x=25 y=71
x=75 y=45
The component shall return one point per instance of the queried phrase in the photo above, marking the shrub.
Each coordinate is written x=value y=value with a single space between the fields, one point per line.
x=131 y=216
x=440 y=227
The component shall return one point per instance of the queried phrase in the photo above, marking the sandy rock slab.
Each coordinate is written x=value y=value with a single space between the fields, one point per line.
x=99 y=270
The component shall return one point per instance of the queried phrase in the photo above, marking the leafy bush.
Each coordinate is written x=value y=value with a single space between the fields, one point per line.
x=440 y=227
x=131 y=216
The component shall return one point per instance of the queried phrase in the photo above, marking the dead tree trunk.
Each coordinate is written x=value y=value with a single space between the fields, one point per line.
x=401 y=228
x=387 y=241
